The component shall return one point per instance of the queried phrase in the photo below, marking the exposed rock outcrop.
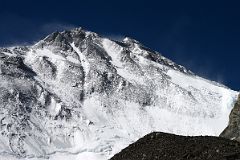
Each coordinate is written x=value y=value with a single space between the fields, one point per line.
x=233 y=129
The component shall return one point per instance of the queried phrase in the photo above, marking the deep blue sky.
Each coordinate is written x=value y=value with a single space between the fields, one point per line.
x=204 y=36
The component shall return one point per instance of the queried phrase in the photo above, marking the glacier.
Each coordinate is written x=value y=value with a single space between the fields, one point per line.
x=78 y=95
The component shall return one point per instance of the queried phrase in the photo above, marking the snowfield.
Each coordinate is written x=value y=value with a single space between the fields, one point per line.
x=76 y=95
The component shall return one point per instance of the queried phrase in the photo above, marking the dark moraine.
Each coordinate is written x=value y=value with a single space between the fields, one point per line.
x=163 y=146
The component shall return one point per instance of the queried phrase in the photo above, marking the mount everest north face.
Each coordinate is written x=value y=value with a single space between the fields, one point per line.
x=78 y=95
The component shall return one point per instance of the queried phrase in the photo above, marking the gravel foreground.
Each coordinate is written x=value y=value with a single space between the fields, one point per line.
x=163 y=146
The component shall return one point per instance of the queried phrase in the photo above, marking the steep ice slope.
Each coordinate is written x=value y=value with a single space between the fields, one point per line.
x=78 y=95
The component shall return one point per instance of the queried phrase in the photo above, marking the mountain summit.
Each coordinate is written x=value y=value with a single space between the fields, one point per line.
x=76 y=94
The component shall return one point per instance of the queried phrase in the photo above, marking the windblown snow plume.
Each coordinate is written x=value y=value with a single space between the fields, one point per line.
x=76 y=95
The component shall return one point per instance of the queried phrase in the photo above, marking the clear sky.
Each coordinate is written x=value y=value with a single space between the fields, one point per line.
x=203 y=36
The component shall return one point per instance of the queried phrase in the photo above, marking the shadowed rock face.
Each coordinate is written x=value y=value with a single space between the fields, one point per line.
x=163 y=146
x=77 y=93
x=233 y=129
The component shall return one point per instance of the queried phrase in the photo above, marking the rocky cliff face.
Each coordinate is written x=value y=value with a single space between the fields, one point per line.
x=79 y=95
x=233 y=129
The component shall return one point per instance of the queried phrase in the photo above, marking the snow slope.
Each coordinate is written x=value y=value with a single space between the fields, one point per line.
x=77 y=95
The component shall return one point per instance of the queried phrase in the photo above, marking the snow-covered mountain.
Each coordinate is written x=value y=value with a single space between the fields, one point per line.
x=77 y=95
